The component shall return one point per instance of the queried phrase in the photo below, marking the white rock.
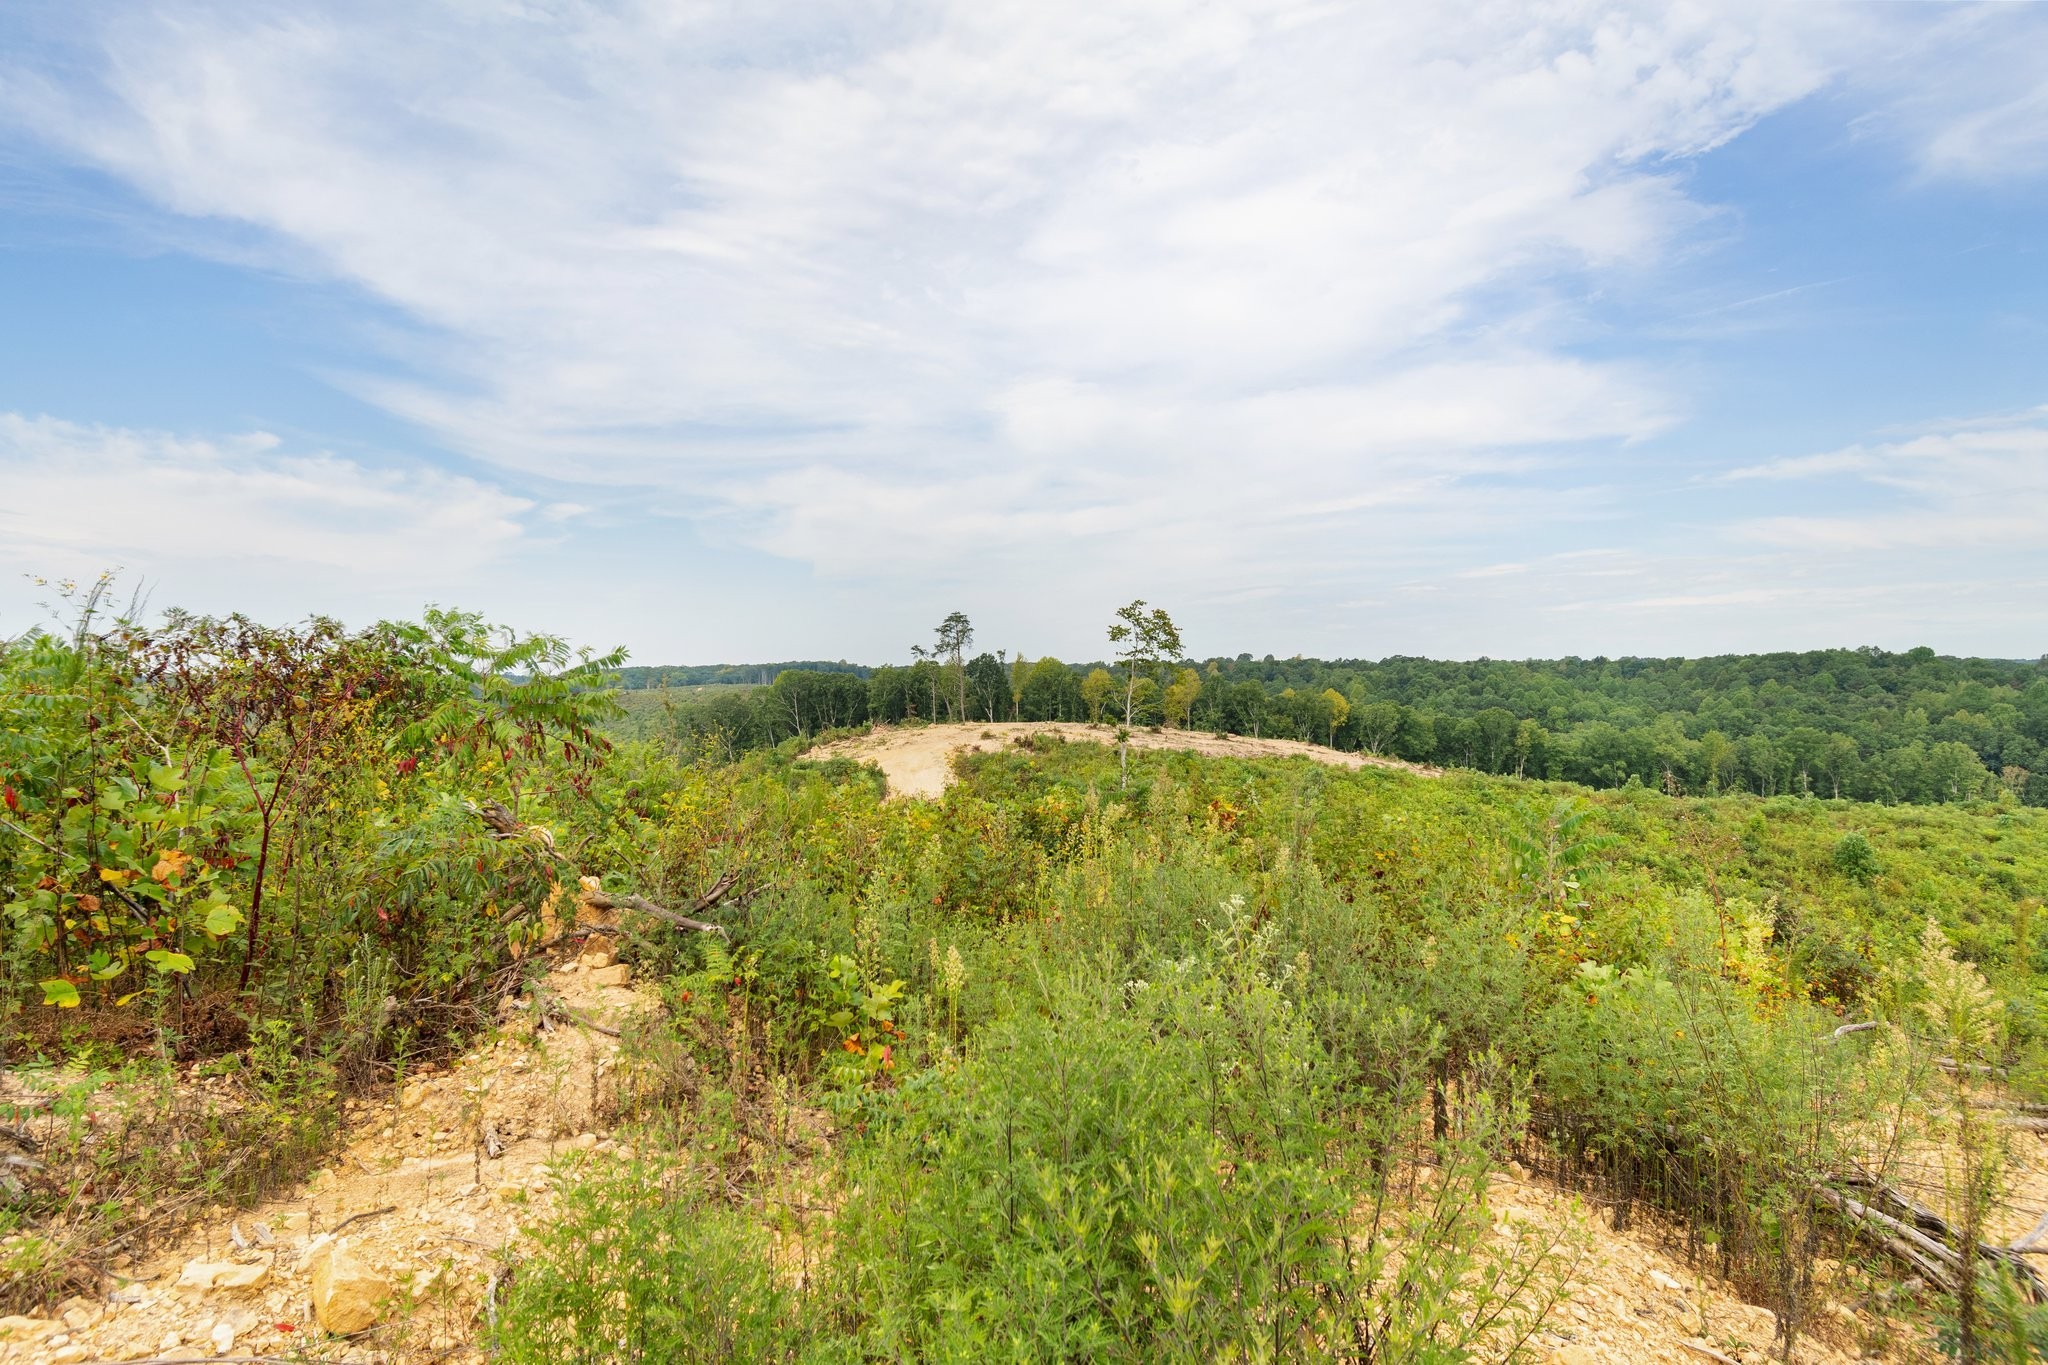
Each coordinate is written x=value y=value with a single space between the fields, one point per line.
x=206 y=1275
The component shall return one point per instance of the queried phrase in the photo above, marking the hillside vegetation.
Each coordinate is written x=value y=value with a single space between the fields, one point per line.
x=1115 y=1055
x=1864 y=724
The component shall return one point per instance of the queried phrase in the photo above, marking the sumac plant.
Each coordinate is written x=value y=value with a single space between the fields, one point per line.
x=502 y=702
x=118 y=845
x=295 y=709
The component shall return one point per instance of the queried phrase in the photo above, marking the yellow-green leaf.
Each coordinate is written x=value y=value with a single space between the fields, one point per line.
x=60 y=993
x=222 y=919
x=164 y=960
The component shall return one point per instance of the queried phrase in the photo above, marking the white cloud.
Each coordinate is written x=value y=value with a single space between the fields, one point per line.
x=981 y=269
x=76 y=500
x=1983 y=487
x=1277 y=305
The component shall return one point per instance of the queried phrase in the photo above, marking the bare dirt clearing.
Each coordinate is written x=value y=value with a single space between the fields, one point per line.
x=918 y=761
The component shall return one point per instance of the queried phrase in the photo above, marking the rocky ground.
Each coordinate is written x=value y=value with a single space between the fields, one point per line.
x=1631 y=1300
x=392 y=1252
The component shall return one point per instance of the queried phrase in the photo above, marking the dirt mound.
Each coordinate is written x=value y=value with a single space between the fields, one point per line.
x=918 y=761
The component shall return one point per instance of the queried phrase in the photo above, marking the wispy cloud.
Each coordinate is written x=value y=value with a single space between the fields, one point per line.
x=1280 y=303
x=1982 y=487
x=978 y=266
x=246 y=511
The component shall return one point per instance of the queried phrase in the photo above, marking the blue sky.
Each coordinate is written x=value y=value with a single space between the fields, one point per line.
x=764 y=331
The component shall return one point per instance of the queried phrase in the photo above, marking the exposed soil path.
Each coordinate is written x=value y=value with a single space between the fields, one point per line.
x=434 y=1184
x=918 y=760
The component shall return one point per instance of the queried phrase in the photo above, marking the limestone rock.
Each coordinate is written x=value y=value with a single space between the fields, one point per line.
x=205 y=1275
x=347 y=1295
x=19 y=1328
x=618 y=974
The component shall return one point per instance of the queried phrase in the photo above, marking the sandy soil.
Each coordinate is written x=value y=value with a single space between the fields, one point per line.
x=434 y=1185
x=1630 y=1300
x=918 y=761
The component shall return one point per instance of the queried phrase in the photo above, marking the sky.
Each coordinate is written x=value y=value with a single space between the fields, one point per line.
x=735 y=332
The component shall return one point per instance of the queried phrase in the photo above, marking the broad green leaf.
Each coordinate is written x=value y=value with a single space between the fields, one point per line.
x=164 y=960
x=60 y=993
x=222 y=919
x=166 y=779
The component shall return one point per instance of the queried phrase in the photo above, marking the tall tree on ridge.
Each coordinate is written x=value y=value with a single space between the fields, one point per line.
x=1145 y=639
x=955 y=634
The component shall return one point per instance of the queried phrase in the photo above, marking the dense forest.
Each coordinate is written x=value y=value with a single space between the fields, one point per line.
x=1861 y=724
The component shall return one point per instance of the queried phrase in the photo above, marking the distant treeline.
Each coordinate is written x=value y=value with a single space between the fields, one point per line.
x=1865 y=724
x=703 y=675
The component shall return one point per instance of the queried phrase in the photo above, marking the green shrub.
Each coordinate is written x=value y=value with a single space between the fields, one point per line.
x=1855 y=859
x=639 y=1266
x=1161 y=1168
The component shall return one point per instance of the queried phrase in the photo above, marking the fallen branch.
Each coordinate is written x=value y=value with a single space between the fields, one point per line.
x=1845 y=1030
x=1709 y=1352
x=501 y=823
x=1912 y=1242
x=1861 y=1213
x=335 y=1231
x=1952 y=1066
x=2032 y=1236
x=554 y=1004
x=598 y=900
